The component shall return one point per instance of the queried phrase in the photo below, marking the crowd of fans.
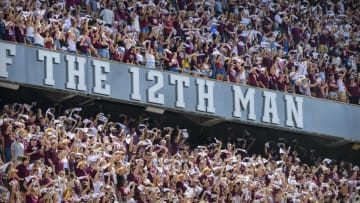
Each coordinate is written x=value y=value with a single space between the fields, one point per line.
x=305 y=47
x=53 y=157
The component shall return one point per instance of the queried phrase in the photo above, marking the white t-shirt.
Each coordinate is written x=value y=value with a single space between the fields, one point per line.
x=278 y=19
x=30 y=31
x=302 y=68
x=149 y=57
x=38 y=39
x=71 y=45
x=294 y=76
x=67 y=23
x=137 y=23
x=107 y=16
x=139 y=58
x=65 y=163
x=341 y=85
x=18 y=149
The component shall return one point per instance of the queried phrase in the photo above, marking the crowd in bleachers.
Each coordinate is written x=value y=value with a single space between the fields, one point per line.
x=304 y=47
x=48 y=156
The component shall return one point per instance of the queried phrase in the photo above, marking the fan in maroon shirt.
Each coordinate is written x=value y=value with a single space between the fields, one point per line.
x=20 y=32
x=168 y=25
x=23 y=172
x=22 y=168
x=33 y=150
x=282 y=82
x=46 y=180
x=263 y=79
x=10 y=32
x=296 y=33
x=253 y=78
x=324 y=37
x=353 y=91
x=130 y=56
x=80 y=171
x=181 y=5
x=190 y=5
x=153 y=19
x=52 y=157
x=332 y=84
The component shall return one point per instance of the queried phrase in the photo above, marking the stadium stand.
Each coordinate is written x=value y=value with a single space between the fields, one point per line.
x=304 y=47
x=53 y=157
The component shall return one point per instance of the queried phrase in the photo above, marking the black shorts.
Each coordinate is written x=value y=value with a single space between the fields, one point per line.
x=22 y=187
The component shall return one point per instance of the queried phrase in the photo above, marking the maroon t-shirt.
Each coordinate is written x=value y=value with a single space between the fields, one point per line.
x=180 y=185
x=281 y=84
x=318 y=92
x=253 y=79
x=115 y=56
x=70 y=3
x=332 y=89
x=296 y=33
x=20 y=34
x=32 y=199
x=267 y=62
x=313 y=41
x=7 y=140
x=221 y=28
x=144 y=21
x=45 y=181
x=129 y=57
x=332 y=41
x=181 y=5
x=132 y=178
x=86 y=46
x=264 y=80
x=354 y=90
x=10 y=34
x=47 y=157
x=232 y=75
x=80 y=172
x=35 y=156
x=168 y=23
x=22 y=171
x=312 y=78
x=190 y=5
x=273 y=82
x=189 y=50
x=323 y=39
x=230 y=27
x=153 y=20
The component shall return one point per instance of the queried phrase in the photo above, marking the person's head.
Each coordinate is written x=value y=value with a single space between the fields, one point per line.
x=12 y=172
x=62 y=174
x=206 y=60
x=263 y=71
x=54 y=144
x=132 y=50
x=81 y=165
x=7 y=129
x=33 y=141
x=332 y=77
x=35 y=190
x=25 y=160
x=352 y=80
x=47 y=173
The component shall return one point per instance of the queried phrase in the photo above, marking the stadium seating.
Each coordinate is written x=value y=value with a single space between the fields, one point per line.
x=303 y=47
x=52 y=157
x=294 y=47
